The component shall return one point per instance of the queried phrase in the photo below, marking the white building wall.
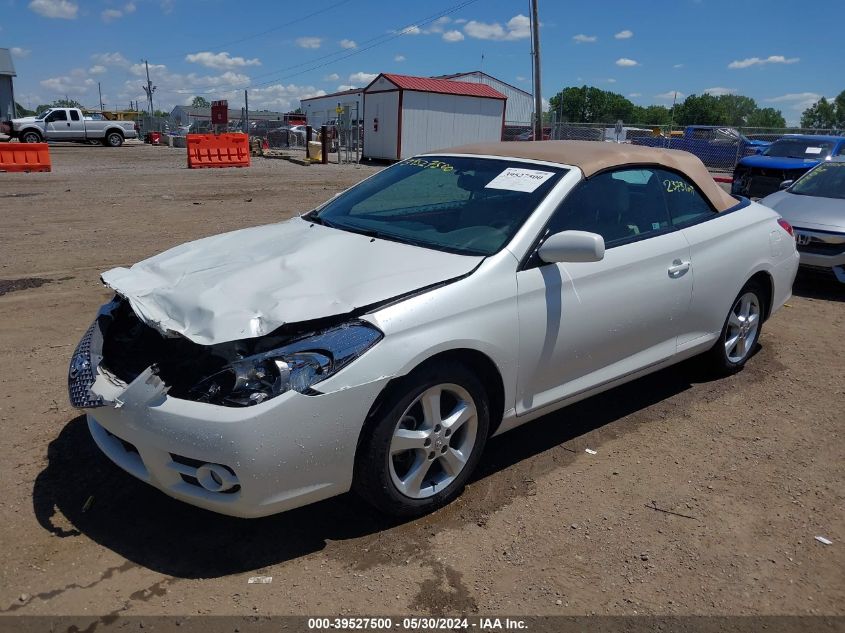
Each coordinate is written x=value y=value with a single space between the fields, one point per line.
x=381 y=143
x=520 y=104
x=321 y=109
x=435 y=121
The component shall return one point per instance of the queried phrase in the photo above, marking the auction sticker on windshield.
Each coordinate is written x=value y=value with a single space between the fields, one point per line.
x=518 y=179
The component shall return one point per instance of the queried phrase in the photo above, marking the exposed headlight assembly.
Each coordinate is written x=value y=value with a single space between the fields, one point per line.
x=296 y=366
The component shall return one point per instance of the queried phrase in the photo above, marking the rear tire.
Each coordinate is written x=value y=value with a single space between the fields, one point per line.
x=740 y=332
x=113 y=139
x=424 y=442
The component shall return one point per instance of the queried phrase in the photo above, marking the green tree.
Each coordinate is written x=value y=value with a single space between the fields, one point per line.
x=766 y=117
x=21 y=111
x=736 y=109
x=200 y=102
x=588 y=104
x=652 y=115
x=821 y=115
x=59 y=103
x=700 y=110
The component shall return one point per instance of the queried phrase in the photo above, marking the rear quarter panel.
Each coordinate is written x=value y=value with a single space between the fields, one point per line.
x=726 y=252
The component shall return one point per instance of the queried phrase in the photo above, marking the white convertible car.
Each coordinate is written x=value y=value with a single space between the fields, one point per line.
x=377 y=342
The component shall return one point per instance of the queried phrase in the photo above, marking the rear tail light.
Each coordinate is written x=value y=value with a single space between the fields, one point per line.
x=786 y=226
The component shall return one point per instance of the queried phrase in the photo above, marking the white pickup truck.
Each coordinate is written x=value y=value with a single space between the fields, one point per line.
x=69 y=124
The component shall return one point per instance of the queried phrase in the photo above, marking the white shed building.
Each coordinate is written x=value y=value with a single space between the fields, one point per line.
x=520 y=103
x=406 y=115
x=7 y=90
x=320 y=110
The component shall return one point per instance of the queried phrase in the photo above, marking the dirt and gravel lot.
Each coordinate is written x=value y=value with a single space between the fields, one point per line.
x=704 y=496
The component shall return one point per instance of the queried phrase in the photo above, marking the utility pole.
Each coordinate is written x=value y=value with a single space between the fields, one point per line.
x=538 y=95
x=100 y=90
x=149 y=88
x=246 y=113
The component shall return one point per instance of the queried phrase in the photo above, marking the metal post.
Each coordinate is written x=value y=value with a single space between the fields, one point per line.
x=100 y=90
x=324 y=139
x=246 y=113
x=308 y=130
x=538 y=95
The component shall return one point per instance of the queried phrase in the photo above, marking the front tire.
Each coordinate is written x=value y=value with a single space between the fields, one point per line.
x=740 y=332
x=30 y=136
x=113 y=139
x=423 y=444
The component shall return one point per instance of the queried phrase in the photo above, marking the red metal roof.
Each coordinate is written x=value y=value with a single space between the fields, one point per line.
x=443 y=86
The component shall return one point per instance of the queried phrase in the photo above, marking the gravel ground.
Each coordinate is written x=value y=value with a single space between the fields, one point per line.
x=704 y=496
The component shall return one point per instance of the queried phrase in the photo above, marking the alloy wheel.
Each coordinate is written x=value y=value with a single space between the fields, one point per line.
x=743 y=323
x=433 y=440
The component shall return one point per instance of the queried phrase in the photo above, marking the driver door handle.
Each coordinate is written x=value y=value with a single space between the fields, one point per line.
x=678 y=268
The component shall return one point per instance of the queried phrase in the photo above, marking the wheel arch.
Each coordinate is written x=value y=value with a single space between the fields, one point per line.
x=764 y=278
x=31 y=129
x=478 y=362
x=117 y=129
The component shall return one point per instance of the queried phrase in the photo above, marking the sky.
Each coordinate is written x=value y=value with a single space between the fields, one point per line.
x=284 y=50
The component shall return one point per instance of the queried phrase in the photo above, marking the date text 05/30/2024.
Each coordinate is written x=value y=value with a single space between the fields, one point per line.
x=417 y=624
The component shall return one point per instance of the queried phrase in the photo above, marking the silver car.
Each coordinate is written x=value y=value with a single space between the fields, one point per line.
x=815 y=206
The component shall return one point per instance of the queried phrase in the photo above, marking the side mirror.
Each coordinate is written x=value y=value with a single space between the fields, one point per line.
x=785 y=184
x=572 y=246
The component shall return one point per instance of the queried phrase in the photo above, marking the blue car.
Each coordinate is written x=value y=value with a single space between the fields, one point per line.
x=788 y=158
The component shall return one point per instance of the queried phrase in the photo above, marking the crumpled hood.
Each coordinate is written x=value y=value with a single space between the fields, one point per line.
x=809 y=212
x=247 y=283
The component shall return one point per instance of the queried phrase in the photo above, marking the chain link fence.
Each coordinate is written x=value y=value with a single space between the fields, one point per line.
x=720 y=148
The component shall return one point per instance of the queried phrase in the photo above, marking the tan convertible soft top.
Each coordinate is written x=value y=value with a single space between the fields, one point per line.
x=592 y=157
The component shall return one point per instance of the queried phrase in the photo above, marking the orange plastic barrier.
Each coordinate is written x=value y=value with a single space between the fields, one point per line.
x=25 y=157
x=221 y=150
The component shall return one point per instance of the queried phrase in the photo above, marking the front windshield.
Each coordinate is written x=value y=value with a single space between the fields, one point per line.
x=825 y=181
x=465 y=205
x=799 y=148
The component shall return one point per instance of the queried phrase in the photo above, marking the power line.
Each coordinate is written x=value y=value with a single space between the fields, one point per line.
x=339 y=55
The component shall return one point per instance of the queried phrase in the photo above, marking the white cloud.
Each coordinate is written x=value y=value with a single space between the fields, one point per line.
x=624 y=35
x=453 y=36
x=97 y=70
x=610 y=80
x=624 y=62
x=438 y=26
x=309 y=42
x=584 y=39
x=757 y=61
x=362 y=79
x=718 y=91
x=167 y=6
x=517 y=28
x=635 y=94
x=670 y=94
x=521 y=78
x=399 y=58
x=76 y=83
x=343 y=87
x=140 y=70
x=460 y=21
x=411 y=30
x=332 y=77
x=678 y=66
x=348 y=44
x=115 y=14
x=62 y=9
x=17 y=51
x=798 y=100
x=220 y=60
x=110 y=59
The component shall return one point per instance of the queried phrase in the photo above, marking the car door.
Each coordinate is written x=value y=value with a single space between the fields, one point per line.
x=76 y=126
x=57 y=125
x=723 y=247
x=582 y=325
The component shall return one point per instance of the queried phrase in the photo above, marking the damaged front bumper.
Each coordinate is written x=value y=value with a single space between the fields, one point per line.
x=289 y=451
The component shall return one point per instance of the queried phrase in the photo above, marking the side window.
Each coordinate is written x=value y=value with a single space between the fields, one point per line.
x=621 y=206
x=58 y=115
x=841 y=150
x=686 y=205
x=74 y=115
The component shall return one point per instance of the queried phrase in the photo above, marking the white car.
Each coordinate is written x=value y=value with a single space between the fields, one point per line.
x=377 y=342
